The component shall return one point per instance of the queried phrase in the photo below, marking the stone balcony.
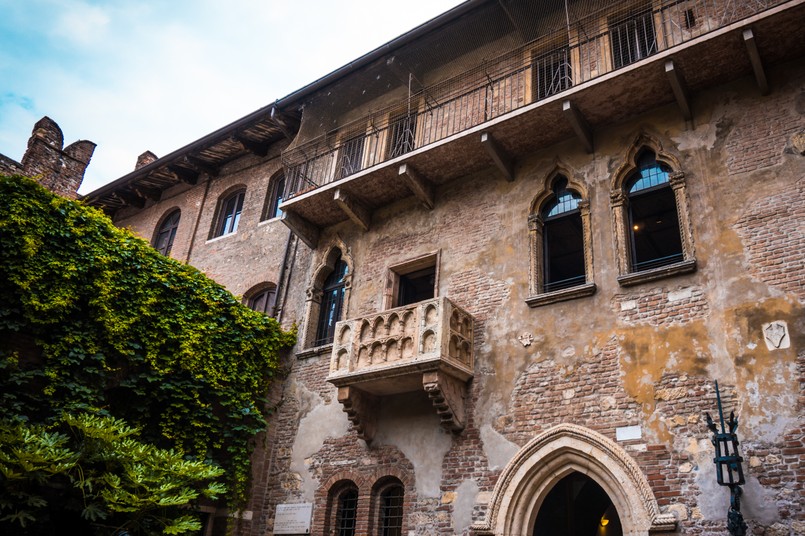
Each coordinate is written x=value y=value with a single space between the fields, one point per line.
x=423 y=346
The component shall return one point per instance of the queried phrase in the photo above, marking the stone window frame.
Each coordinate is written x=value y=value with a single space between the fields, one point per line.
x=166 y=217
x=274 y=196
x=255 y=291
x=619 y=199
x=532 y=473
x=217 y=221
x=314 y=294
x=391 y=292
x=537 y=297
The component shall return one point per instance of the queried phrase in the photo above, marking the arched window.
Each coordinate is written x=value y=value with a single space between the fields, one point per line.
x=331 y=303
x=562 y=239
x=389 y=496
x=262 y=298
x=651 y=215
x=577 y=506
x=163 y=239
x=342 y=509
x=229 y=211
x=276 y=189
x=653 y=219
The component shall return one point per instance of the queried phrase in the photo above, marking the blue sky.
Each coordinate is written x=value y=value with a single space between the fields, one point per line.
x=137 y=75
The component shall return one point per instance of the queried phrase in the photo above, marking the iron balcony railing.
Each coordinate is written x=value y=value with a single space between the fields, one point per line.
x=589 y=48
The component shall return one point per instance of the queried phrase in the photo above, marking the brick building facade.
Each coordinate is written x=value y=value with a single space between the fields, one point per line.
x=520 y=243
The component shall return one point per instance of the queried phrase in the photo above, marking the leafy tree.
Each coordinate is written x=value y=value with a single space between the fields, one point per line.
x=94 y=323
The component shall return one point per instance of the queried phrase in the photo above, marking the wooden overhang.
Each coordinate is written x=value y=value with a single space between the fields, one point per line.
x=709 y=60
x=251 y=134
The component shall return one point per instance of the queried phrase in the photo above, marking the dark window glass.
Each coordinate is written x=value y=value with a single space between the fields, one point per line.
x=563 y=241
x=416 y=286
x=391 y=511
x=401 y=135
x=231 y=208
x=331 y=302
x=275 y=193
x=351 y=155
x=653 y=218
x=633 y=39
x=167 y=232
x=263 y=301
x=347 y=513
x=552 y=74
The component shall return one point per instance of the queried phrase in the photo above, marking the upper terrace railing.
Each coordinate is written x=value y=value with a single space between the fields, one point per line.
x=590 y=47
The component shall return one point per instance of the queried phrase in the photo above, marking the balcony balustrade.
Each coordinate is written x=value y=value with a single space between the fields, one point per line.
x=423 y=346
x=591 y=47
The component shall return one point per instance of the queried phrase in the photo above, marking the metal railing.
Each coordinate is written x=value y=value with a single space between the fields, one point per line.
x=589 y=48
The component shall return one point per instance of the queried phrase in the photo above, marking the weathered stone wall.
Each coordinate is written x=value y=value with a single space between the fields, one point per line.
x=642 y=357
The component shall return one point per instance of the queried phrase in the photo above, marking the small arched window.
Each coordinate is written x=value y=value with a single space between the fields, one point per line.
x=229 y=213
x=262 y=299
x=163 y=240
x=331 y=303
x=346 y=513
x=562 y=239
x=654 y=230
x=276 y=190
x=390 y=510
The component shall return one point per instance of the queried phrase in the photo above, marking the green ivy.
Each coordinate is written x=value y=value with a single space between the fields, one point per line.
x=93 y=320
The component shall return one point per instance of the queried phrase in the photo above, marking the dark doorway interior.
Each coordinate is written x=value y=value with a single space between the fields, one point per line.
x=577 y=506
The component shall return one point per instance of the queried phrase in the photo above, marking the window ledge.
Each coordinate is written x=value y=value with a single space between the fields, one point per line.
x=683 y=267
x=222 y=237
x=317 y=351
x=587 y=289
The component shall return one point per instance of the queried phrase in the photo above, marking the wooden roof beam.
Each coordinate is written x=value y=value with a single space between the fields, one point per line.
x=287 y=125
x=194 y=162
x=130 y=198
x=184 y=174
x=501 y=159
x=145 y=192
x=257 y=148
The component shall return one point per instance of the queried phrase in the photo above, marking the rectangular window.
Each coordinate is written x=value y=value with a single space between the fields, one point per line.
x=552 y=73
x=412 y=282
x=632 y=39
x=402 y=128
x=350 y=159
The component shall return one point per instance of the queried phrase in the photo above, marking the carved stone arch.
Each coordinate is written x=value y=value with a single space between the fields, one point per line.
x=619 y=203
x=628 y=160
x=537 y=264
x=549 y=457
x=574 y=182
x=333 y=251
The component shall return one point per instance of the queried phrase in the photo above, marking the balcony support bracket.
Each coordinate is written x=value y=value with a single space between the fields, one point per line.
x=757 y=63
x=579 y=124
x=679 y=88
x=306 y=231
x=353 y=208
x=501 y=159
x=361 y=410
x=447 y=394
x=418 y=185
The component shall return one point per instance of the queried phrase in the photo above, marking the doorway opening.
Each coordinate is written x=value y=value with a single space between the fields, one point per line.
x=577 y=506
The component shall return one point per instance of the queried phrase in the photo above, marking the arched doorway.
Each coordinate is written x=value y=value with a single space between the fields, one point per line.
x=562 y=452
x=577 y=506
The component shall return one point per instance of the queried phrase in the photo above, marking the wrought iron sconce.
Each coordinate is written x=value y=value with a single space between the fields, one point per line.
x=729 y=471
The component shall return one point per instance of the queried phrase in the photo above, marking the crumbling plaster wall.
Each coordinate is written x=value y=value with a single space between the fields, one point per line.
x=639 y=356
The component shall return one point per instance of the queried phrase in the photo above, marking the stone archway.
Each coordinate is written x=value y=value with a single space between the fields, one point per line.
x=556 y=453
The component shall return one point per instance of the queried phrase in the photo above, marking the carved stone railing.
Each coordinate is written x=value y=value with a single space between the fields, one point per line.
x=423 y=346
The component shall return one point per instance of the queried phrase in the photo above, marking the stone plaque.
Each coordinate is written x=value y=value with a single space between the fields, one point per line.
x=293 y=518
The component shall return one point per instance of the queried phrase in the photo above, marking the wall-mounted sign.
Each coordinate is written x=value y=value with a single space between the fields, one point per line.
x=293 y=518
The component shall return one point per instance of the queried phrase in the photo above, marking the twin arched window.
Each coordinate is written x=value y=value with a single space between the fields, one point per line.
x=562 y=239
x=386 y=517
x=163 y=239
